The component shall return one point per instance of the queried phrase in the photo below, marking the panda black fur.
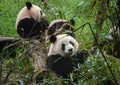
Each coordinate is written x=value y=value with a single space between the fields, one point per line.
x=59 y=56
x=56 y=25
x=31 y=21
x=111 y=43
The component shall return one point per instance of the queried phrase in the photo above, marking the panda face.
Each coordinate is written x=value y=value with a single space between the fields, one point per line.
x=67 y=48
x=64 y=45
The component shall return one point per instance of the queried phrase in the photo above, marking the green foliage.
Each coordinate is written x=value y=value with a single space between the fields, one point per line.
x=93 y=72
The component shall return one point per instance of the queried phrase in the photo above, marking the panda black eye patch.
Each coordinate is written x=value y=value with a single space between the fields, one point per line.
x=71 y=43
x=41 y=12
x=63 y=47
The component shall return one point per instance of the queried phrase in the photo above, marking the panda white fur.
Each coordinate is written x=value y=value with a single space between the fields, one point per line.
x=58 y=24
x=115 y=31
x=111 y=43
x=31 y=21
x=59 y=56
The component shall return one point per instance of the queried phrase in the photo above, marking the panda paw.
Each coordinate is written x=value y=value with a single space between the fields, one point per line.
x=81 y=56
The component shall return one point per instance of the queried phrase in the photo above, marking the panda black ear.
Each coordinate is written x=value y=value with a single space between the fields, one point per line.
x=29 y=5
x=72 y=22
x=53 y=38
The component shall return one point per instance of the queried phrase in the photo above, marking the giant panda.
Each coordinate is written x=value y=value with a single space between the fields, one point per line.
x=111 y=43
x=31 y=21
x=61 y=50
x=61 y=24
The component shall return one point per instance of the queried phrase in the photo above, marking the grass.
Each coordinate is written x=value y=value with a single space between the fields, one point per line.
x=93 y=72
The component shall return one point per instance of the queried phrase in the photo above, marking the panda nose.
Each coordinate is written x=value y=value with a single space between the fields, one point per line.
x=70 y=50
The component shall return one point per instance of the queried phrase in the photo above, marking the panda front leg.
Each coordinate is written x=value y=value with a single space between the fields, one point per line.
x=62 y=66
x=80 y=57
x=24 y=28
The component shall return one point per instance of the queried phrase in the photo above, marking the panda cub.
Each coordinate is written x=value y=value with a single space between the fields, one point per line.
x=61 y=24
x=31 y=21
x=59 y=56
x=111 y=43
